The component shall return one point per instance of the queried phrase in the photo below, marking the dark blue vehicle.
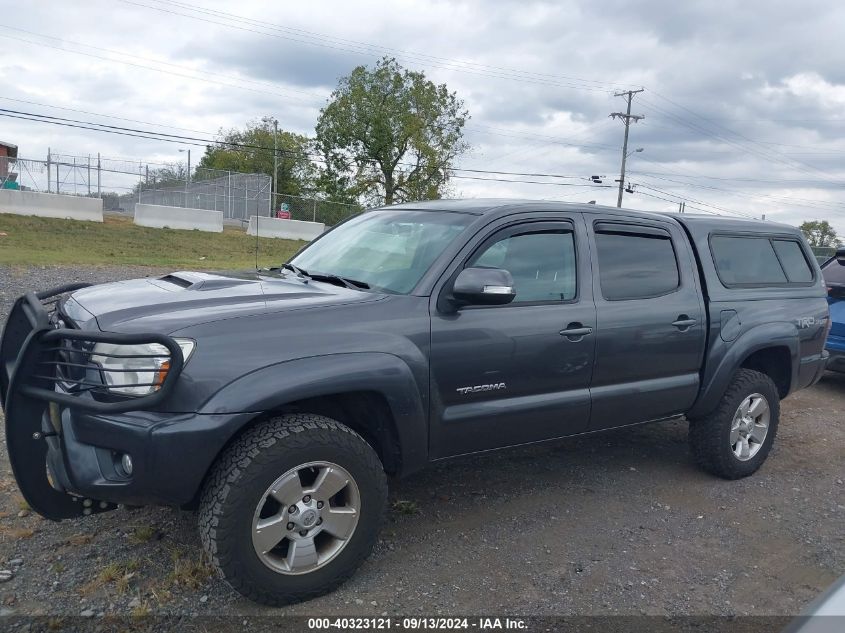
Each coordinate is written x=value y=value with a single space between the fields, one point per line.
x=834 y=276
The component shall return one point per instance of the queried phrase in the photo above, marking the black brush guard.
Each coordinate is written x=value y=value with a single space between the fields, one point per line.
x=44 y=366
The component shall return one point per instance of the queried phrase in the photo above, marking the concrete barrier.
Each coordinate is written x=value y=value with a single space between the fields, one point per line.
x=51 y=205
x=159 y=217
x=285 y=229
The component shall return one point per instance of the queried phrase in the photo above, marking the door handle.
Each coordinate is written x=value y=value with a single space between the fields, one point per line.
x=683 y=322
x=576 y=330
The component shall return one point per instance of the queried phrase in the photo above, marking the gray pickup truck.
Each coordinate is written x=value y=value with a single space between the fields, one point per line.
x=277 y=402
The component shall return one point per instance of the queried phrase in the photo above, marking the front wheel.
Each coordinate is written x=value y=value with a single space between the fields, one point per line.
x=292 y=508
x=734 y=440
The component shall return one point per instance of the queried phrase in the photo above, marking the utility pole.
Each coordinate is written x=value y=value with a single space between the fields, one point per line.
x=275 y=164
x=626 y=117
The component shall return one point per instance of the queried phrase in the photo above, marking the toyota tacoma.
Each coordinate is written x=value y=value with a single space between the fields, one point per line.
x=277 y=403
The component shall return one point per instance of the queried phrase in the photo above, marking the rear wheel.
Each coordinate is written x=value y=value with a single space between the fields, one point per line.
x=292 y=508
x=734 y=440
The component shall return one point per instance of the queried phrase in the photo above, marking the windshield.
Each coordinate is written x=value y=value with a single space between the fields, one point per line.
x=387 y=250
x=834 y=272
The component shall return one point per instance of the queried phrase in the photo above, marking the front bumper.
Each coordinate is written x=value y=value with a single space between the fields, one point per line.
x=66 y=432
x=171 y=454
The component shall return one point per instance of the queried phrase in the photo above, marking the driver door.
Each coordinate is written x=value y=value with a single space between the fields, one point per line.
x=509 y=374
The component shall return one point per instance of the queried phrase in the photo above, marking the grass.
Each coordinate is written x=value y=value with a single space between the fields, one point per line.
x=116 y=573
x=80 y=539
x=16 y=534
x=117 y=241
x=141 y=611
x=142 y=534
x=406 y=507
x=191 y=572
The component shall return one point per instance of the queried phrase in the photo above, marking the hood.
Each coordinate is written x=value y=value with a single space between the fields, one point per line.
x=178 y=300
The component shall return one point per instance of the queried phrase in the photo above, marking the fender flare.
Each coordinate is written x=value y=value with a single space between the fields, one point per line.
x=274 y=386
x=715 y=382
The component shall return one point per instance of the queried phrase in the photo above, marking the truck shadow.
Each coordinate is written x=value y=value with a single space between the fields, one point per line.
x=584 y=462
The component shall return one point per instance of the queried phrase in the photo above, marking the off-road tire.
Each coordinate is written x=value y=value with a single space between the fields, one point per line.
x=241 y=476
x=709 y=436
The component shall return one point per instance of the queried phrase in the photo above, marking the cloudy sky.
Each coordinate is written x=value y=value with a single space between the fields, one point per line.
x=743 y=100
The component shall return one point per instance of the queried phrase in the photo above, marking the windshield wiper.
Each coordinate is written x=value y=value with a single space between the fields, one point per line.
x=296 y=269
x=354 y=284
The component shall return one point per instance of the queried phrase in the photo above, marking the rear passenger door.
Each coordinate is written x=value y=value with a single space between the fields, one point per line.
x=650 y=321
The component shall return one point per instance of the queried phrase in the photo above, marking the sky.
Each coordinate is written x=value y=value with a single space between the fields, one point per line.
x=743 y=101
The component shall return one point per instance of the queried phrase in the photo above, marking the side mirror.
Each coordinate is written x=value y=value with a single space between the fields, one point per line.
x=484 y=286
x=840 y=255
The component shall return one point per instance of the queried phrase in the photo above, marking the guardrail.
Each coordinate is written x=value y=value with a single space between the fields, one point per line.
x=285 y=229
x=50 y=205
x=161 y=217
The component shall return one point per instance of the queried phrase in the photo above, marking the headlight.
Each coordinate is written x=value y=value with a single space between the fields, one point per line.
x=136 y=370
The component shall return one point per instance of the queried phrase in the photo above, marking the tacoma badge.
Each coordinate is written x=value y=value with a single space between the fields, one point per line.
x=479 y=388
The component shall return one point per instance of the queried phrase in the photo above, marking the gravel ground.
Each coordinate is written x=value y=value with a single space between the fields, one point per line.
x=620 y=523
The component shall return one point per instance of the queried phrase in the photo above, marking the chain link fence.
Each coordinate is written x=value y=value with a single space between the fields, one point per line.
x=313 y=209
x=237 y=195
x=22 y=173
x=122 y=183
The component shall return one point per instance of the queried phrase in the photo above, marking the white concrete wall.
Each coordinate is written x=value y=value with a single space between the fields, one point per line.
x=160 y=217
x=50 y=205
x=286 y=229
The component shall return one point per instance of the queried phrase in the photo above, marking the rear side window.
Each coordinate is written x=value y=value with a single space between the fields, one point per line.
x=636 y=266
x=759 y=261
x=794 y=263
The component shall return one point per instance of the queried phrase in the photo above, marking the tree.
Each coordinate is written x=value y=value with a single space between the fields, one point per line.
x=296 y=171
x=169 y=176
x=389 y=135
x=819 y=233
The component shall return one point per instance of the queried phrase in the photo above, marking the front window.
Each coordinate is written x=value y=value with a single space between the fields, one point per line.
x=386 y=250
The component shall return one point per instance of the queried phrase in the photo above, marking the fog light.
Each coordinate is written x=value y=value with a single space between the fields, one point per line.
x=126 y=463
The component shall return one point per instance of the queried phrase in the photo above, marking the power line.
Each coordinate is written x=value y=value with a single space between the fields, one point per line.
x=321 y=40
x=706 y=204
x=199 y=141
x=533 y=182
x=788 y=199
x=730 y=131
x=159 y=70
x=517 y=173
x=766 y=154
x=783 y=181
x=105 y=116
x=278 y=92
x=800 y=202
